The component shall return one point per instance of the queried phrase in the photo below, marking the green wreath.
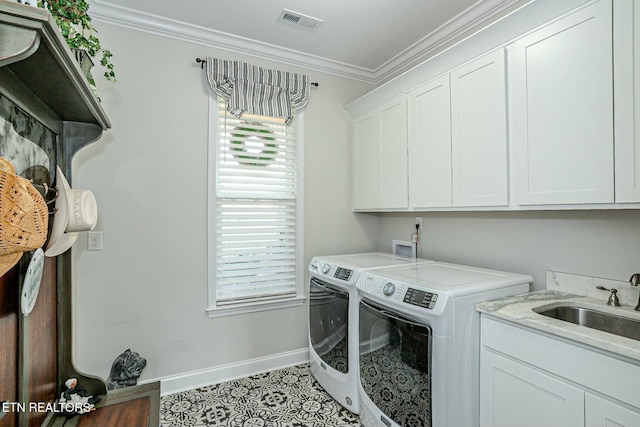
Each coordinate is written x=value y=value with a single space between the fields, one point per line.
x=240 y=150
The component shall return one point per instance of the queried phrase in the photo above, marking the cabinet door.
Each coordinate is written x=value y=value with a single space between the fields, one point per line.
x=479 y=132
x=605 y=413
x=393 y=154
x=366 y=139
x=429 y=111
x=626 y=26
x=380 y=157
x=561 y=86
x=515 y=395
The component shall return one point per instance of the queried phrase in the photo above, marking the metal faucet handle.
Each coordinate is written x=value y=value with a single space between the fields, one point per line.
x=613 y=298
x=635 y=281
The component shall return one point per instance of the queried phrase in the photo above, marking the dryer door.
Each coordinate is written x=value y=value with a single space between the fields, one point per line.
x=329 y=323
x=395 y=364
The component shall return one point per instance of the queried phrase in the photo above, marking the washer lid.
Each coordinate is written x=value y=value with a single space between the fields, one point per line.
x=452 y=277
x=369 y=260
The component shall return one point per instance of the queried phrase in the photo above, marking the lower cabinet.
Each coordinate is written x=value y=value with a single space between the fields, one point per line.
x=600 y=412
x=517 y=395
x=530 y=379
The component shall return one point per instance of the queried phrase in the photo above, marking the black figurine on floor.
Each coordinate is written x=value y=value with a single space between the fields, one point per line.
x=74 y=399
x=126 y=370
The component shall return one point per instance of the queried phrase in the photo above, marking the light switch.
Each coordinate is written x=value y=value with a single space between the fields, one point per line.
x=94 y=240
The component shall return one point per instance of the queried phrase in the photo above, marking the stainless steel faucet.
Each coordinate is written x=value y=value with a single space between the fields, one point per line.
x=613 y=298
x=635 y=281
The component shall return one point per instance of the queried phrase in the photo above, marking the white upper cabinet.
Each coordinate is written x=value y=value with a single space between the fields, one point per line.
x=561 y=89
x=626 y=20
x=549 y=119
x=458 y=137
x=479 y=132
x=380 y=157
x=366 y=170
x=429 y=108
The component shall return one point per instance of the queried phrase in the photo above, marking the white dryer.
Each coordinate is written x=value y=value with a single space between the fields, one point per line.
x=333 y=319
x=419 y=352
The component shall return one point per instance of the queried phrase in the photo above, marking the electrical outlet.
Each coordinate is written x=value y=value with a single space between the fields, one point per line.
x=94 y=240
x=419 y=222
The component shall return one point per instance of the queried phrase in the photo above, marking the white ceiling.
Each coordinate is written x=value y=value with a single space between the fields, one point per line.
x=369 y=40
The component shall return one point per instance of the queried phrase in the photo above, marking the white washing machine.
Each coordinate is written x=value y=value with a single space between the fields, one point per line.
x=419 y=355
x=333 y=319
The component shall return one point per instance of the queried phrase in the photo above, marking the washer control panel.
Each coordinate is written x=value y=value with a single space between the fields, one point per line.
x=420 y=298
x=401 y=293
x=388 y=289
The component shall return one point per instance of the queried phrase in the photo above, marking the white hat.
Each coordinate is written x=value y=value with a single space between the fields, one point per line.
x=76 y=210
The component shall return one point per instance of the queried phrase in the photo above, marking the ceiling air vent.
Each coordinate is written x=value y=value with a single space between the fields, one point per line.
x=299 y=20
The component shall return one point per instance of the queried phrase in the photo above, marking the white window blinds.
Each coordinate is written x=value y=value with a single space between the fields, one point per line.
x=256 y=175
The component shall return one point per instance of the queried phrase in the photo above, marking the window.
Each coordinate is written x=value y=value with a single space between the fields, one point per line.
x=254 y=213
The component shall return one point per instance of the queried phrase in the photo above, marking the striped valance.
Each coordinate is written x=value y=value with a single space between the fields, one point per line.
x=255 y=90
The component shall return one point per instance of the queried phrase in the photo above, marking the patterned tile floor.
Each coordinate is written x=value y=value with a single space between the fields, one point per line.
x=287 y=397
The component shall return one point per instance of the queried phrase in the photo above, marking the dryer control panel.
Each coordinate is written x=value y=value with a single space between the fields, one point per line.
x=326 y=269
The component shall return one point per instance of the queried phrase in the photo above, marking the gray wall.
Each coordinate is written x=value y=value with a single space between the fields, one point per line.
x=147 y=289
x=593 y=243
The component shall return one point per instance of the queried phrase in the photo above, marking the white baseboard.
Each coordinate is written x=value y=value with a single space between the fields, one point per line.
x=218 y=374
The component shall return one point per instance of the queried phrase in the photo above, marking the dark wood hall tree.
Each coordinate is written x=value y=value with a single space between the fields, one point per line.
x=40 y=77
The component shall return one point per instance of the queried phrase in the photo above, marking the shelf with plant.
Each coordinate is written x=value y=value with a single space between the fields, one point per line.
x=73 y=19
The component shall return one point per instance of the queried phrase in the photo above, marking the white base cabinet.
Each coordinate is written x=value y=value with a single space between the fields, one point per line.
x=531 y=379
x=601 y=412
x=525 y=397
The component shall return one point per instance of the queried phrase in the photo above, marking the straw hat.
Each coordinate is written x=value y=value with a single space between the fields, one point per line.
x=23 y=217
x=76 y=211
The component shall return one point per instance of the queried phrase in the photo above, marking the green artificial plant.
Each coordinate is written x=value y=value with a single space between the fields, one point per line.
x=73 y=19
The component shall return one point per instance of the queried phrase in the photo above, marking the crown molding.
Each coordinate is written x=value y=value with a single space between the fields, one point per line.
x=474 y=19
x=157 y=25
x=478 y=17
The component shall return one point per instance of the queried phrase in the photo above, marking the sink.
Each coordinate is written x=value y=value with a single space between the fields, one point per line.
x=594 y=319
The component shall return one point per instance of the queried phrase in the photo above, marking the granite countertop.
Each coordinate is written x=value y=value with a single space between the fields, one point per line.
x=518 y=309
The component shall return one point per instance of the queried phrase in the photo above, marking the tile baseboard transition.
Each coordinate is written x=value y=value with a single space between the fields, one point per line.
x=218 y=374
